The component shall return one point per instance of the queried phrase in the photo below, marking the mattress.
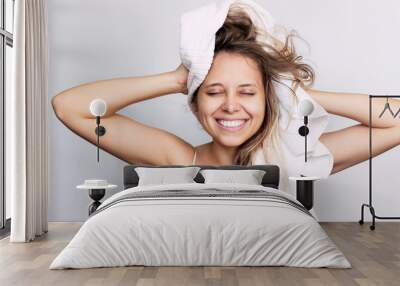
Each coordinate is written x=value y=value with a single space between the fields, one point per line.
x=201 y=225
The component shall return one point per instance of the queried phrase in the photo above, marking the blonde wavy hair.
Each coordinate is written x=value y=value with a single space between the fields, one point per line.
x=275 y=62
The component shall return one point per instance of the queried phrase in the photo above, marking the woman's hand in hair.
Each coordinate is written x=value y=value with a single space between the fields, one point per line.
x=181 y=74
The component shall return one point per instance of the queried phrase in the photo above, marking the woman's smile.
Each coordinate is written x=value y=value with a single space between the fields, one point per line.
x=232 y=125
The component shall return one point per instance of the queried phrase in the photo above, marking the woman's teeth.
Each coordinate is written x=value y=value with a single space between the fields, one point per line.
x=232 y=125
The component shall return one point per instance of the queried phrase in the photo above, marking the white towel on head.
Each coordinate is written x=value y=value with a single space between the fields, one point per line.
x=198 y=29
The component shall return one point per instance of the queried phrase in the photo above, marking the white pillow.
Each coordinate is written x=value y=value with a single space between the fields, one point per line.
x=249 y=177
x=162 y=176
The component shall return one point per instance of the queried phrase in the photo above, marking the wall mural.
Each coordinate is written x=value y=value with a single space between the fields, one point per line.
x=251 y=92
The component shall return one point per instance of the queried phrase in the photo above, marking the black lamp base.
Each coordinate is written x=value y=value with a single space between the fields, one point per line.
x=96 y=195
x=305 y=193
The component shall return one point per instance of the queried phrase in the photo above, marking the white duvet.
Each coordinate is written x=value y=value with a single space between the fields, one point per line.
x=181 y=231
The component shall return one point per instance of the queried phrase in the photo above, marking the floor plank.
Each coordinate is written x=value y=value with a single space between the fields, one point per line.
x=374 y=255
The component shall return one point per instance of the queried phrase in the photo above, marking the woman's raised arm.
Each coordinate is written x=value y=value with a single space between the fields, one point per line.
x=126 y=138
x=350 y=146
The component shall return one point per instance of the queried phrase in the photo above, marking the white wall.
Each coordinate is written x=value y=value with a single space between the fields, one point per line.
x=354 y=47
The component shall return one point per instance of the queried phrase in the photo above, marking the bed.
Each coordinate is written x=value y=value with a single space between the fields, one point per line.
x=201 y=224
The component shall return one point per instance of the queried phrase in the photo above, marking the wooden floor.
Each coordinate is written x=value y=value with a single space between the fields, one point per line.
x=374 y=255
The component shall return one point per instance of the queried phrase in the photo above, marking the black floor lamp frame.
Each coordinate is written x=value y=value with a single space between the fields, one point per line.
x=369 y=205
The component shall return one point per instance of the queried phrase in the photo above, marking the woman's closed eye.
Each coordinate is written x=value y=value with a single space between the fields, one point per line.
x=245 y=93
x=214 y=93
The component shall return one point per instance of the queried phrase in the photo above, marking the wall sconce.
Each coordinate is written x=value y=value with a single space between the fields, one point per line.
x=305 y=108
x=98 y=108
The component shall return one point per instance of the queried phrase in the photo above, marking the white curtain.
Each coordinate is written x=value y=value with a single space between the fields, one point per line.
x=26 y=123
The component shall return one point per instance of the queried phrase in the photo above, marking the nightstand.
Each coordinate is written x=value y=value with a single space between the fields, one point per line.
x=97 y=190
x=305 y=190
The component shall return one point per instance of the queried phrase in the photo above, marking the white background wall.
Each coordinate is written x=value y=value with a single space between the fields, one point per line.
x=353 y=45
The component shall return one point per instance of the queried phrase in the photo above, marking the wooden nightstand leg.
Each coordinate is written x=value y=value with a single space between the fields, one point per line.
x=305 y=193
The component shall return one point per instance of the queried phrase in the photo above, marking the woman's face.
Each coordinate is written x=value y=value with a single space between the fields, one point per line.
x=231 y=100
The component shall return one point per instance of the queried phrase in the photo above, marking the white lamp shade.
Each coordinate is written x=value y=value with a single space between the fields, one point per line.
x=98 y=107
x=305 y=107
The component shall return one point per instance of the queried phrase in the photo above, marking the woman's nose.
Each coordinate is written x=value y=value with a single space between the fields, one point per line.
x=230 y=105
